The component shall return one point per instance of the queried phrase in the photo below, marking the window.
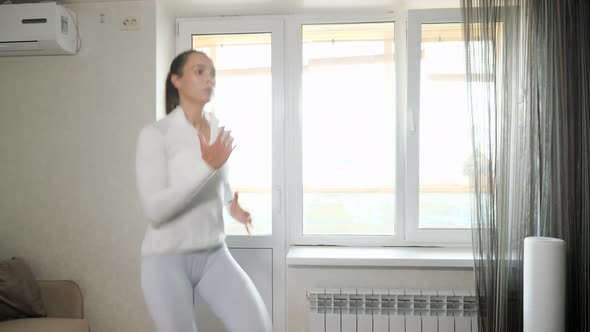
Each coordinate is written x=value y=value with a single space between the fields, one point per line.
x=368 y=145
x=439 y=138
x=445 y=147
x=348 y=128
x=245 y=101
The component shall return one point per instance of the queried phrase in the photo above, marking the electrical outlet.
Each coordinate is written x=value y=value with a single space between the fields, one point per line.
x=131 y=23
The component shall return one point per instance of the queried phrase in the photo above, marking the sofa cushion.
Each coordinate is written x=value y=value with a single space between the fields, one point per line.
x=45 y=325
x=20 y=295
x=62 y=298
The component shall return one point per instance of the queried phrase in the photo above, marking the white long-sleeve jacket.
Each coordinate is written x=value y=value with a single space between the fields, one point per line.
x=182 y=196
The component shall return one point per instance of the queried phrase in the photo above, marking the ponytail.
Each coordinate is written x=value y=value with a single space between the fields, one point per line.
x=172 y=98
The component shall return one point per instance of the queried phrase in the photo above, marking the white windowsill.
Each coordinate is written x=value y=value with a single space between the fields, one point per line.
x=380 y=256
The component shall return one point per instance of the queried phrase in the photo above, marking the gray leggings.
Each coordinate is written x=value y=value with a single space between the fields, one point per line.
x=169 y=281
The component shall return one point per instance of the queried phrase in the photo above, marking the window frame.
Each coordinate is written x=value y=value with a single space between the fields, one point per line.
x=254 y=24
x=287 y=177
x=293 y=93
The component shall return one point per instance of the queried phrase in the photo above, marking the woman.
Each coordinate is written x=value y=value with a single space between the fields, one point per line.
x=182 y=184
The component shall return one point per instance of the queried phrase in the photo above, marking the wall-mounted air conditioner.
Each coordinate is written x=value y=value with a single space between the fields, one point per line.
x=37 y=29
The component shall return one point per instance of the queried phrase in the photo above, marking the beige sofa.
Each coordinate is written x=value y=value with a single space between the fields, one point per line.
x=64 y=307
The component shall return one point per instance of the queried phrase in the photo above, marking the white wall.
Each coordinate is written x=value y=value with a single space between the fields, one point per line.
x=68 y=128
x=200 y=8
x=165 y=51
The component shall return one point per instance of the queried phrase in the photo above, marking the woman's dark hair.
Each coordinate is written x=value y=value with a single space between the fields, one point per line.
x=172 y=98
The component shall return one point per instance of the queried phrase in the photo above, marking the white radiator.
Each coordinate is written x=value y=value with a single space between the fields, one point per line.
x=391 y=310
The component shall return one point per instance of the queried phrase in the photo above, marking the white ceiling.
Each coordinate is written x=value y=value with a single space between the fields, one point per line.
x=261 y=7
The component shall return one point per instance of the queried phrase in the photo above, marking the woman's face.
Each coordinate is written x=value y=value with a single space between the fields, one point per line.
x=197 y=80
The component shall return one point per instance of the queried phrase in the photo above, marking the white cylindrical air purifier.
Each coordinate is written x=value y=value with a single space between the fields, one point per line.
x=544 y=284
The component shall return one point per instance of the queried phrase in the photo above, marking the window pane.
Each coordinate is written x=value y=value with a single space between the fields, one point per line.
x=445 y=139
x=243 y=102
x=348 y=128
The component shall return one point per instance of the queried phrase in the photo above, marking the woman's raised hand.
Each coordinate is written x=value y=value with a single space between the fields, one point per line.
x=216 y=154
